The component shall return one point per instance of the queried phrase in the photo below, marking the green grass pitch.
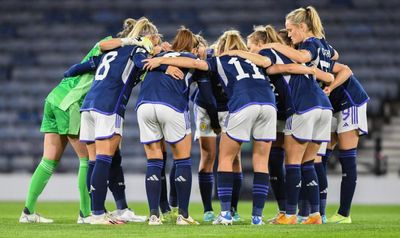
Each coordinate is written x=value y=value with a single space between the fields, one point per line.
x=368 y=221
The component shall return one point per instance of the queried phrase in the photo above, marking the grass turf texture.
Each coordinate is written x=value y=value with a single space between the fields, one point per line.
x=368 y=221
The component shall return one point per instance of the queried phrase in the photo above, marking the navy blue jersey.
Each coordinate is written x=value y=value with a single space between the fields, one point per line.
x=349 y=94
x=321 y=53
x=160 y=88
x=244 y=83
x=116 y=75
x=218 y=92
x=298 y=93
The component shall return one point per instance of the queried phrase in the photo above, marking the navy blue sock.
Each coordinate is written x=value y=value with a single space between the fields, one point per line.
x=164 y=205
x=277 y=175
x=173 y=199
x=325 y=159
x=99 y=179
x=237 y=184
x=347 y=159
x=206 y=184
x=293 y=185
x=153 y=184
x=260 y=192
x=224 y=188
x=310 y=185
x=304 y=205
x=323 y=186
x=91 y=164
x=183 y=184
x=116 y=182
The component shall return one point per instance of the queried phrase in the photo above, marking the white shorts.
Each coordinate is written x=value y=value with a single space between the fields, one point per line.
x=353 y=118
x=322 y=149
x=203 y=122
x=98 y=126
x=314 y=125
x=256 y=120
x=157 y=121
x=280 y=126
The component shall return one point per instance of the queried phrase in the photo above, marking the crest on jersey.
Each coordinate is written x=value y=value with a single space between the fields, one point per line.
x=203 y=126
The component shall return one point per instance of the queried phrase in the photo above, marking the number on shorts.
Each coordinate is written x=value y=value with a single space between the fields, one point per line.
x=105 y=63
x=346 y=114
x=241 y=74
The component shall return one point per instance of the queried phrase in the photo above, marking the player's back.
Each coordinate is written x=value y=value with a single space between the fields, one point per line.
x=113 y=82
x=217 y=91
x=280 y=84
x=243 y=81
x=159 y=87
x=300 y=92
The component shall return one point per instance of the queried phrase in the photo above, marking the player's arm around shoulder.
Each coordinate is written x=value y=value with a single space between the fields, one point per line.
x=84 y=67
x=182 y=62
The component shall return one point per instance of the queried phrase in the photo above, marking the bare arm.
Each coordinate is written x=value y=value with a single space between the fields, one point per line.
x=257 y=59
x=300 y=56
x=324 y=76
x=182 y=62
x=290 y=69
x=118 y=42
x=110 y=44
x=336 y=56
x=343 y=72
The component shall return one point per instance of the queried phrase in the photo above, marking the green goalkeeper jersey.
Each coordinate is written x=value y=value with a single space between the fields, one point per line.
x=74 y=89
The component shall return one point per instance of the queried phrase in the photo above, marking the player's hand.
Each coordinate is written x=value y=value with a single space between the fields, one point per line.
x=152 y=63
x=166 y=46
x=175 y=72
x=217 y=130
x=327 y=90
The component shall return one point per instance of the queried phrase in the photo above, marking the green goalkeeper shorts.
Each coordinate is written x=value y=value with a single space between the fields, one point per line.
x=61 y=122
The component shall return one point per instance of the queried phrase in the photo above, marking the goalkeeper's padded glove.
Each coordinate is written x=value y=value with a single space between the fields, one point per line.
x=139 y=41
x=146 y=43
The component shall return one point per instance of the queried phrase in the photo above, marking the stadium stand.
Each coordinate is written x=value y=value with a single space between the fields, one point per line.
x=41 y=39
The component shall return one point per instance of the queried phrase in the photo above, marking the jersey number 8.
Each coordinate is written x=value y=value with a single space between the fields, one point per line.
x=105 y=63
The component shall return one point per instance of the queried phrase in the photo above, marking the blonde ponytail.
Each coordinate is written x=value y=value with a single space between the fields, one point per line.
x=230 y=40
x=265 y=34
x=315 y=22
x=129 y=23
x=272 y=35
x=143 y=27
x=309 y=16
